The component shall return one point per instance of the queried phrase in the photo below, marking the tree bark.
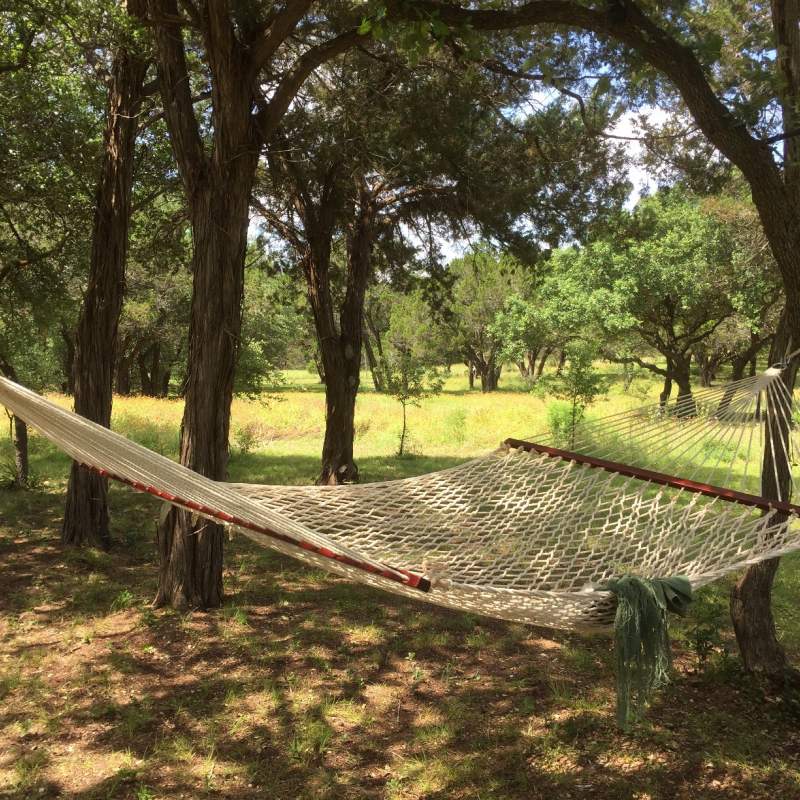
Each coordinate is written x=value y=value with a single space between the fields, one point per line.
x=68 y=364
x=685 y=405
x=471 y=374
x=123 y=375
x=218 y=188
x=543 y=361
x=374 y=367
x=342 y=353
x=19 y=434
x=666 y=391
x=490 y=375
x=86 y=511
x=751 y=597
x=145 y=381
x=191 y=551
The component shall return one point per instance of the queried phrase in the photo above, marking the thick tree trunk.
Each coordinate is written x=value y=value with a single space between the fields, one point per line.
x=685 y=405
x=751 y=597
x=490 y=375
x=86 y=512
x=562 y=359
x=191 y=551
x=218 y=183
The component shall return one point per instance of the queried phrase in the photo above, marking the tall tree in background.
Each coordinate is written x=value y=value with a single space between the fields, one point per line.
x=48 y=145
x=86 y=512
x=349 y=173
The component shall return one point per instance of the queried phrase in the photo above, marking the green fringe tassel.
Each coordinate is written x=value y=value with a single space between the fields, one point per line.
x=641 y=637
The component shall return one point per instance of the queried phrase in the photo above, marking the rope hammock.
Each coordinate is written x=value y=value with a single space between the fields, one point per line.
x=533 y=532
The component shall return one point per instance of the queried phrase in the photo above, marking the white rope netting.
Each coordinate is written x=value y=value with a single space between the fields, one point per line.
x=517 y=535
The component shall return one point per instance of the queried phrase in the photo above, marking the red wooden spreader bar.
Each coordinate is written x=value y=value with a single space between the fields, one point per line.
x=661 y=478
x=407 y=579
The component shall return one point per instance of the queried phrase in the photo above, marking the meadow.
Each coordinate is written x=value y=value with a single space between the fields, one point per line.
x=304 y=686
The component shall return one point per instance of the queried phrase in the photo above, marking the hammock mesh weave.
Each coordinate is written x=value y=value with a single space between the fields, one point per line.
x=518 y=534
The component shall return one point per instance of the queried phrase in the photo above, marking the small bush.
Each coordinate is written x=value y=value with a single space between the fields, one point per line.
x=250 y=436
x=562 y=422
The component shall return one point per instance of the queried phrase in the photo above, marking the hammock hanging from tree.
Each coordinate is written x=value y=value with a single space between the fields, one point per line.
x=532 y=532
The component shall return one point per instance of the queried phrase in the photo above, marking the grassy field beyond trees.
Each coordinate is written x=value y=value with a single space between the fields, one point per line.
x=305 y=686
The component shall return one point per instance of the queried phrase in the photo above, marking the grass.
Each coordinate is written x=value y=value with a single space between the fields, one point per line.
x=304 y=686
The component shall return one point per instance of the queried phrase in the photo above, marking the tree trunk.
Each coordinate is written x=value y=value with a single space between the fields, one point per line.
x=19 y=434
x=341 y=353
x=68 y=364
x=123 y=376
x=666 y=391
x=738 y=365
x=532 y=356
x=374 y=367
x=401 y=448
x=685 y=405
x=543 y=361
x=86 y=512
x=562 y=359
x=163 y=389
x=191 y=551
x=706 y=369
x=145 y=379
x=490 y=375
x=471 y=374
x=751 y=597
x=21 y=460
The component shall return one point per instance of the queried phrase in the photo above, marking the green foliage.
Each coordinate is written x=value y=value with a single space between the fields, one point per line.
x=409 y=381
x=579 y=384
x=272 y=324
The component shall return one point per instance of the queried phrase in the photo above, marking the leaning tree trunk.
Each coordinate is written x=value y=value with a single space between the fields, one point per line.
x=191 y=550
x=543 y=361
x=372 y=362
x=751 y=597
x=666 y=391
x=86 y=512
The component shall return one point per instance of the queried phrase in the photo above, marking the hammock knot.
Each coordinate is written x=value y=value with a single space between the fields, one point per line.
x=641 y=638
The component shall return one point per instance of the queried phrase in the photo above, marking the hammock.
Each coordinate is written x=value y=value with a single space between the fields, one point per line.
x=532 y=532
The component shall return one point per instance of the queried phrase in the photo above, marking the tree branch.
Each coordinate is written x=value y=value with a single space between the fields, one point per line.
x=271 y=38
x=173 y=76
x=26 y=40
x=271 y=114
